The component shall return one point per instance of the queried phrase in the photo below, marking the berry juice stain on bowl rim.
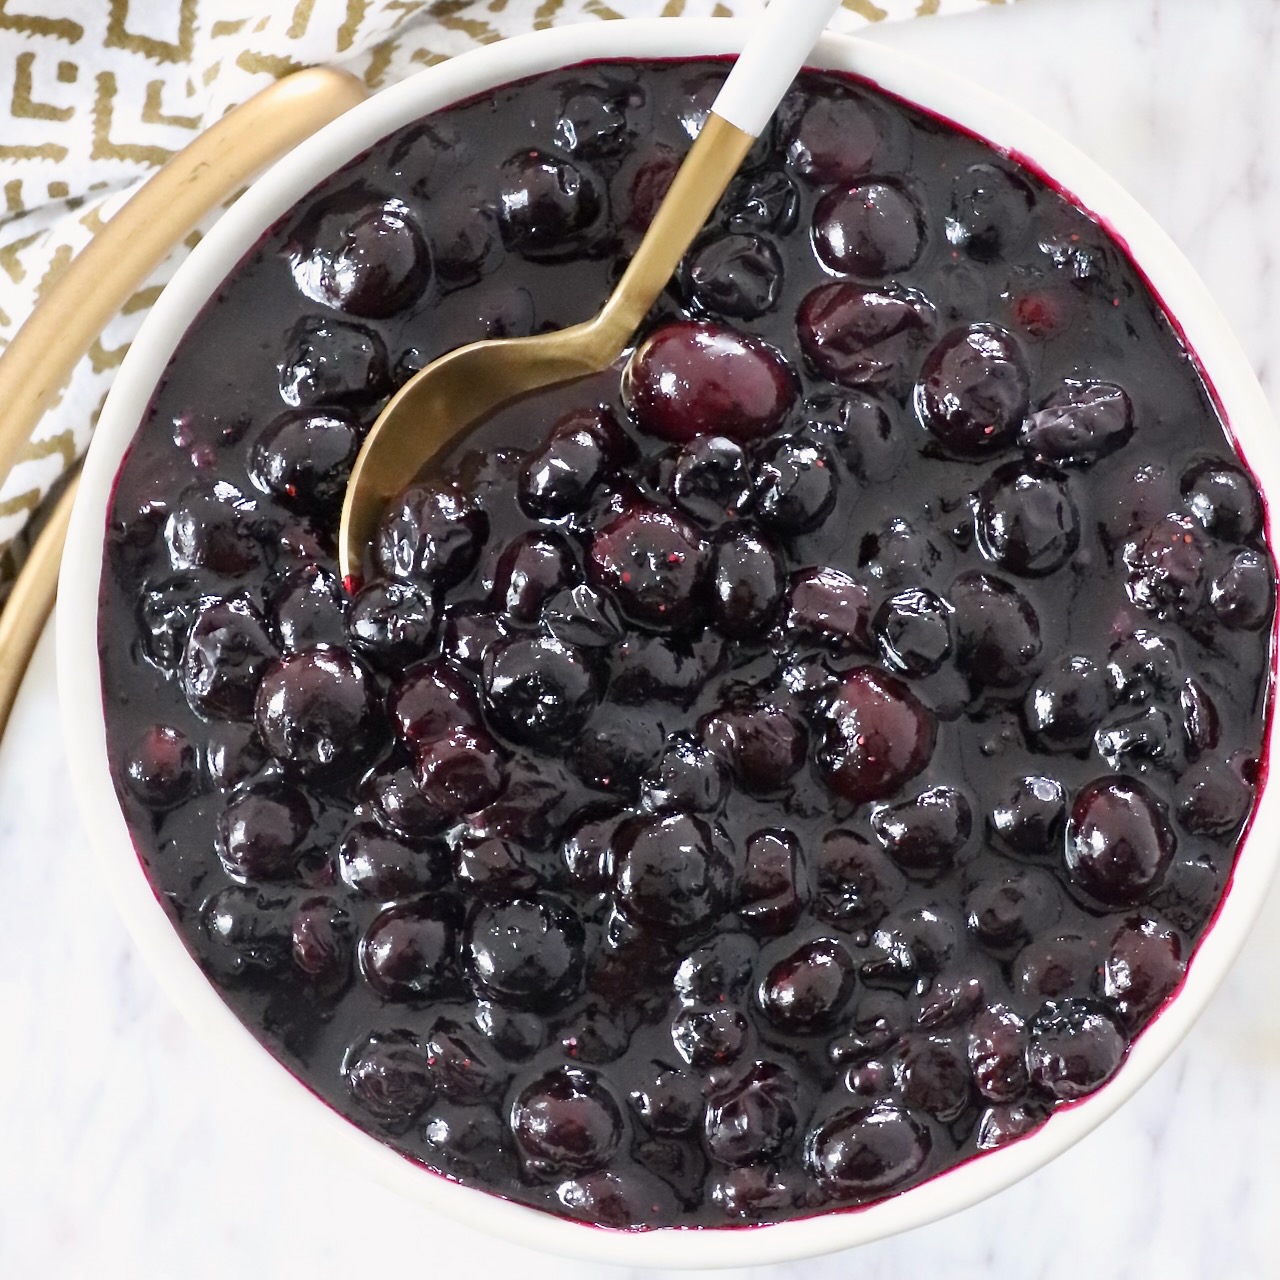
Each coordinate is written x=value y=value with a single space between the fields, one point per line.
x=1226 y=370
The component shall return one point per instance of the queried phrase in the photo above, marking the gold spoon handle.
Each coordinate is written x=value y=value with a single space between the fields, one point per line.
x=102 y=278
x=713 y=160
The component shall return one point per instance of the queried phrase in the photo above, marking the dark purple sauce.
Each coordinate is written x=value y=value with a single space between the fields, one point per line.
x=747 y=786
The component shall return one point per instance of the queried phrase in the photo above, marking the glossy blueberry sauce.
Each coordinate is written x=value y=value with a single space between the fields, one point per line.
x=750 y=782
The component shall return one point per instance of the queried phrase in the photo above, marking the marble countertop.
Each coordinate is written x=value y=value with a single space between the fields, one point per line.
x=125 y=1149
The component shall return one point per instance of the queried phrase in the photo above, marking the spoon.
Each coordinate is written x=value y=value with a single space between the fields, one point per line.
x=467 y=384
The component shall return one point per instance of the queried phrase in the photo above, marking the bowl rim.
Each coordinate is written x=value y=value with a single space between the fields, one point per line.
x=1009 y=129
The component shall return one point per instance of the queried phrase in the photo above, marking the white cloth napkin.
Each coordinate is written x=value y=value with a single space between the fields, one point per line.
x=96 y=94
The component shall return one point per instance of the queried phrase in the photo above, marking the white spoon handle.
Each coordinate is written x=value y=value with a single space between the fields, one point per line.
x=775 y=51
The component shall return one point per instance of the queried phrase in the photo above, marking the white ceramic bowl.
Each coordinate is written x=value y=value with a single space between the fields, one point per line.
x=1010 y=130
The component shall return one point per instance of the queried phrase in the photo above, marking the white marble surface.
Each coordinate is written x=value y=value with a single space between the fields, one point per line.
x=125 y=1150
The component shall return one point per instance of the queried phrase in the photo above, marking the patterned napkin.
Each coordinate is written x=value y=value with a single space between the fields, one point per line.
x=93 y=97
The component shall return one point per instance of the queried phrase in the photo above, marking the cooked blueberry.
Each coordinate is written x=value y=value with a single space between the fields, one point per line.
x=1201 y=724
x=796 y=486
x=951 y=999
x=711 y=480
x=747 y=583
x=160 y=769
x=616 y=1201
x=308 y=608
x=493 y=869
x=1137 y=738
x=668 y=1102
x=249 y=929
x=830 y=610
x=869 y=230
x=1243 y=594
x=1029 y=823
x=671 y=874
x=538 y=690
x=389 y=1076
x=532 y=569
x=990 y=211
x=460 y=771
x=654 y=563
x=754 y=1118
x=562 y=475
x=873 y=736
x=772 y=887
x=315 y=710
x=1026 y=520
x=431 y=700
x=928 y=833
x=320 y=939
x=1167 y=567
x=861 y=337
x=1143 y=967
x=913 y=629
x=709 y=1037
x=972 y=392
x=547 y=204
x=458 y=1067
x=1223 y=499
x=467 y=237
x=1005 y=913
x=719 y=970
x=261 y=833
x=856 y=883
x=1066 y=704
x=764 y=744
x=925 y=937
x=225 y=656
x=762 y=200
x=833 y=139
x=806 y=990
x=1080 y=423
x=1213 y=799
x=391 y=623
x=998 y=640
x=934 y=1077
x=567 y=1120
x=166 y=611
x=661 y=669
x=233 y=753
x=1001 y=1125
x=407 y=951
x=210 y=527
x=376 y=865
x=691 y=379
x=1075 y=1047
x=899 y=554
x=304 y=458
x=361 y=255
x=688 y=778
x=583 y=617
x=866 y=1151
x=1050 y=966
x=1119 y=841
x=1143 y=666
x=328 y=361
x=857 y=429
x=527 y=951
x=592 y=120
x=430 y=534
x=734 y=275
x=617 y=748
x=997 y=1054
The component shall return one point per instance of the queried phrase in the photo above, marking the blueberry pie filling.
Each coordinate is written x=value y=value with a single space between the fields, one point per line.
x=743 y=785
